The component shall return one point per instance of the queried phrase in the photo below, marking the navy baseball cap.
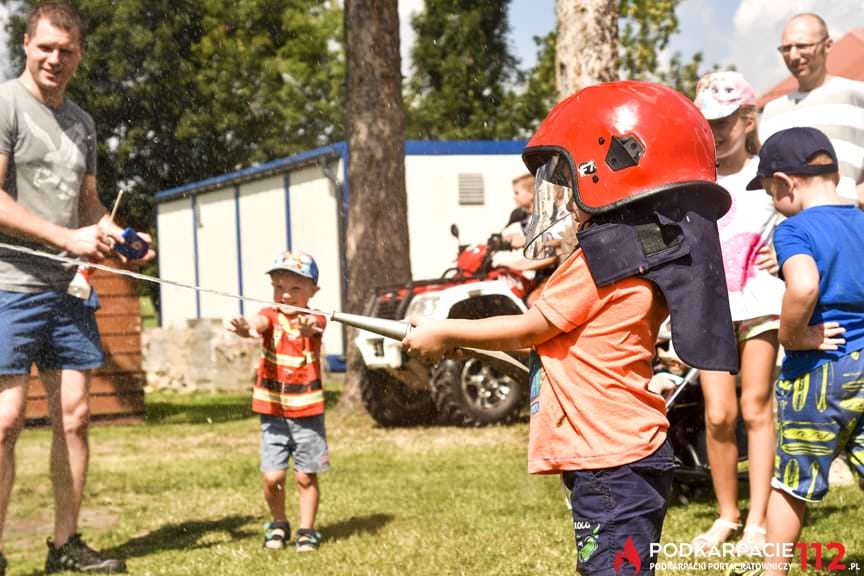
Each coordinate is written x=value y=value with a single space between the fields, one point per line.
x=789 y=151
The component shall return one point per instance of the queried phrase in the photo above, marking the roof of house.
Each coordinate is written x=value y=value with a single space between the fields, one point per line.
x=845 y=59
x=340 y=149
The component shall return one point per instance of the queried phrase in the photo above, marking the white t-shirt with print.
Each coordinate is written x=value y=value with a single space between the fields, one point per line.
x=747 y=227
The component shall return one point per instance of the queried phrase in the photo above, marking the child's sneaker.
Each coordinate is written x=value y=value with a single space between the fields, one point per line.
x=76 y=556
x=277 y=534
x=308 y=540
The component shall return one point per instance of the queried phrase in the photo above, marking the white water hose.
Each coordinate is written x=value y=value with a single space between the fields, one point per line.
x=395 y=329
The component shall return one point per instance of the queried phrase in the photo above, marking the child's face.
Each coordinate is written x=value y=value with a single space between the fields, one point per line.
x=523 y=193
x=730 y=133
x=782 y=192
x=292 y=289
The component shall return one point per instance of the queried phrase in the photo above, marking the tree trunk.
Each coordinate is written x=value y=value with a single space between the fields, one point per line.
x=587 y=44
x=377 y=249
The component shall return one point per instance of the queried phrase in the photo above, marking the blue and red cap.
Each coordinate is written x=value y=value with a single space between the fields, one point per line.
x=298 y=263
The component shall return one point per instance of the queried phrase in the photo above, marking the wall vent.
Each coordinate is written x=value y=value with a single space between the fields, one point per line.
x=470 y=189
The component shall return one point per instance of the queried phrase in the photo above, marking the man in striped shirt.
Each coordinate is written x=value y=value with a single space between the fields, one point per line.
x=289 y=397
x=832 y=104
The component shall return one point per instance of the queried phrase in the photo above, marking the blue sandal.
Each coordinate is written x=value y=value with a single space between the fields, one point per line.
x=277 y=534
x=308 y=540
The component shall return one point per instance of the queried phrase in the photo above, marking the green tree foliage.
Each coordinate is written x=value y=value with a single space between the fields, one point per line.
x=645 y=28
x=463 y=72
x=539 y=94
x=465 y=83
x=182 y=90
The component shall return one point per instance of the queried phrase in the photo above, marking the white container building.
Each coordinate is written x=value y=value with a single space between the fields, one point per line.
x=224 y=232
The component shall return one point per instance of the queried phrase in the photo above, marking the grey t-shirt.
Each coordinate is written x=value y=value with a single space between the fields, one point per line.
x=50 y=151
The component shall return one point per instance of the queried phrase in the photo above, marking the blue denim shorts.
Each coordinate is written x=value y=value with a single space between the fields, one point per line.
x=820 y=414
x=618 y=512
x=304 y=439
x=52 y=329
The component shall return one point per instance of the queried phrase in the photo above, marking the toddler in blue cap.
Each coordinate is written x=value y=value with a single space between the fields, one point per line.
x=289 y=397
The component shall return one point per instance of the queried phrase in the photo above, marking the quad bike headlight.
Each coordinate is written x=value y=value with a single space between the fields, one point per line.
x=423 y=305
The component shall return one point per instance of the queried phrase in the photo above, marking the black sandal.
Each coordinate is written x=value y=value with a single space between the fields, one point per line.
x=277 y=534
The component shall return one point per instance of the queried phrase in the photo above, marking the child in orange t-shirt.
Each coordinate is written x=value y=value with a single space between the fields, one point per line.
x=596 y=346
x=637 y=167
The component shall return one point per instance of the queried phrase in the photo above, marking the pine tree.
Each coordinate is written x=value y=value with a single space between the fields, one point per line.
x=463 y=73
x=182 y=90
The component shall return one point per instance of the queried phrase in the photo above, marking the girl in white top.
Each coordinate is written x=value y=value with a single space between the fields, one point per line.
x=728 y=103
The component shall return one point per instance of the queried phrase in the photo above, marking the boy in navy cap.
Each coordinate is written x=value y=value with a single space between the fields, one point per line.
x=289 y=398
x=820 y=395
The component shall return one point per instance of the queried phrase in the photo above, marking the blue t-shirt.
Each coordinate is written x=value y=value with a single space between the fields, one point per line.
x=833 y=236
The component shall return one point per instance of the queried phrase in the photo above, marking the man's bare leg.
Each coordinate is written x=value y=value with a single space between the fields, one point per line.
x=68 y=401
x=13 y=399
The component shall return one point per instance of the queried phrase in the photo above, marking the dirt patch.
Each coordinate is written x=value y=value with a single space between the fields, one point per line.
x=37 y=528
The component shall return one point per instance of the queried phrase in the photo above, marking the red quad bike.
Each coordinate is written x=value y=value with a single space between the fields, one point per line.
x=400 y=391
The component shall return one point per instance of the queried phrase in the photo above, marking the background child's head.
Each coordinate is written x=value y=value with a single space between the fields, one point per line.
x=294 y=277
x=728 y=102
x=523 y=191
x=795 y=164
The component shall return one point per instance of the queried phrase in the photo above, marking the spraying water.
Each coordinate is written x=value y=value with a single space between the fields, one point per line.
x=394 y=329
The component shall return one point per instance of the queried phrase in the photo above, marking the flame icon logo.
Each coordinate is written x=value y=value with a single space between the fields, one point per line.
x=628 y=554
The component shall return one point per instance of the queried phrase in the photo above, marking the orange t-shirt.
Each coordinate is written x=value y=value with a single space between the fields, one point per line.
x=590 y=403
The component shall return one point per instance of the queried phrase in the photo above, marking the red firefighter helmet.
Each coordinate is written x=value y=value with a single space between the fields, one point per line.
x=618 y=142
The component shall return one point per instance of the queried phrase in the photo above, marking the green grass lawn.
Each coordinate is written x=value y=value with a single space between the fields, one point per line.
x=149 y=317
x=181 y=495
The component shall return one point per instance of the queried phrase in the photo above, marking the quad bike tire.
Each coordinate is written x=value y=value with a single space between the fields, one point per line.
x=391 y=403
x=470 y=393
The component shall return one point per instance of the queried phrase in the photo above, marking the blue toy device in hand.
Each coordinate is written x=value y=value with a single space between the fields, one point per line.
x=134 y=247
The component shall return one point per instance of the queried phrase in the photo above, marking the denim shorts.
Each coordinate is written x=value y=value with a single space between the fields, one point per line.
x=618 y=512
x=304 y=439
x=52 y=329
x=820 y=414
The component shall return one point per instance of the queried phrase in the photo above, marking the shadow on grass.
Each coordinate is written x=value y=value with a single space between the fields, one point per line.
x=371 y=524
x=823 y=512
x=185 y=535
x=331 y=398
x=210 y=408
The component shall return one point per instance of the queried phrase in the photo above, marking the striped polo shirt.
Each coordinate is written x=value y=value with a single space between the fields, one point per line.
x=289 y=372
x=837 y=109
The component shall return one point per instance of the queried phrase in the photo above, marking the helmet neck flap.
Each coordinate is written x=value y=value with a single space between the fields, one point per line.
x=638 y=158
x=674 y=244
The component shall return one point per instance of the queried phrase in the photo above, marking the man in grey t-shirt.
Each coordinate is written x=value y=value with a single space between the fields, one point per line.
x=48 y=201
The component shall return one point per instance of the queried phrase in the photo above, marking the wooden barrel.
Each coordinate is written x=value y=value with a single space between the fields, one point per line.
x=116 y=389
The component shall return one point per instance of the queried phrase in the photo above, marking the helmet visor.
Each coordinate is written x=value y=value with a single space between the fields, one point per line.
x=552 y=194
